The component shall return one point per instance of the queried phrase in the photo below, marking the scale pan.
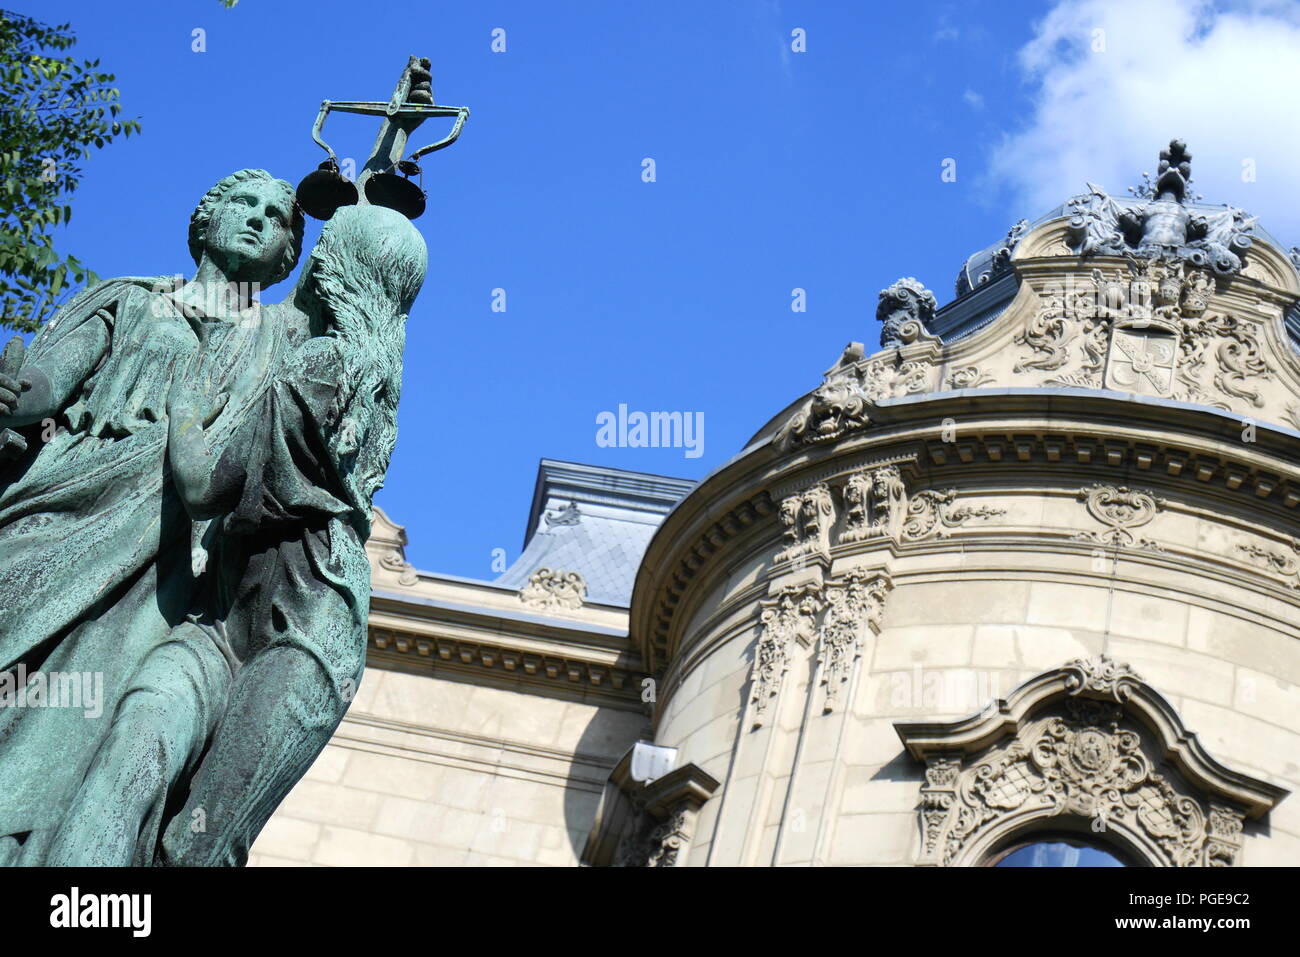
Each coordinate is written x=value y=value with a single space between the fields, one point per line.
x=323 y=191
x=395 y=192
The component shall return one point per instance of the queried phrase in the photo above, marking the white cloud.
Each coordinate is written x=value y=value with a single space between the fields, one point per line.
x=975 y=100
x=1115 y=80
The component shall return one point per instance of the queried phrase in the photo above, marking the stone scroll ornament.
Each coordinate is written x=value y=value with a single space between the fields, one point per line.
x=548 y=589
x=194 y=532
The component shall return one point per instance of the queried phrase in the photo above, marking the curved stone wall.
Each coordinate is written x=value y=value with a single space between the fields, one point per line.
x=916 y=540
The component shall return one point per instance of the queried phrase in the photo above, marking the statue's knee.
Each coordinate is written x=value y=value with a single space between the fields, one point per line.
x=148 y=706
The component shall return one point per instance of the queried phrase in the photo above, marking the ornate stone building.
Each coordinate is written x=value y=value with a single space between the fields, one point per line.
x=1024 y=579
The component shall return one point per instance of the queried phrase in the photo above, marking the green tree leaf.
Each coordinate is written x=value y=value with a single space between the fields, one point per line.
x=54 y=109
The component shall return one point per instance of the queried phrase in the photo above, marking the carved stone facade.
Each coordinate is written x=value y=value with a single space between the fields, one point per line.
x=1091 y=747
x=1063 y=503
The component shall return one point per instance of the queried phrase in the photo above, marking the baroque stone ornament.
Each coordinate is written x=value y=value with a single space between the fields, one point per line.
x=1238 y=368
x=934 y=513
x=1089 y=746
x=1284 y=564
x=999 y=262
x=787 y=619
x=394 y=562
x=661 y=846
x=875 y=500
x=569 y=515
x=806 y=517
x=840 y=405
x=1163 y=223
x=879 y=505
x=647 y=823
x=968 y=377
x=1121 y=510
x=854 y=605
x=1102 y=675
x=549 y=589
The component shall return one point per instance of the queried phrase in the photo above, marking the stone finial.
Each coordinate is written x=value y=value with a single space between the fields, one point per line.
x=905 y=310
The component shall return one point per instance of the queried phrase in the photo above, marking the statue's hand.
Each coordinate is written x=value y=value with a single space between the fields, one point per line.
x=12 y=383
x=11 y=387
x=186 y=407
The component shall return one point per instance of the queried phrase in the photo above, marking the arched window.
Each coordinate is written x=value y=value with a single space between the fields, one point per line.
x=1093 y=753
x=1057 y=850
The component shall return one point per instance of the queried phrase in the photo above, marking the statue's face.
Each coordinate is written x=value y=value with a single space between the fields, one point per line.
x=250 y=231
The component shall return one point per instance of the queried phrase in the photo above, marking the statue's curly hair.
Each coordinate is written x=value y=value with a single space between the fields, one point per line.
x=213 y=198
x=367 y=269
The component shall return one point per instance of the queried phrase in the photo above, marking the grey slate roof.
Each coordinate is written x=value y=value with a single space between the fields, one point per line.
x=594 y=521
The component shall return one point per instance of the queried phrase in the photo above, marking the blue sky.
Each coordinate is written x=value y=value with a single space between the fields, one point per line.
x=775 y=170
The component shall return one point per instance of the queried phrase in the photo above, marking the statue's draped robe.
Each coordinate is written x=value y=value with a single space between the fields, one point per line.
x=96 y=551
x=291 y=596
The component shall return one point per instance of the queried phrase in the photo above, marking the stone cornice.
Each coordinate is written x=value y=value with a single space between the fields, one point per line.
x=532 y=653
x=1065 y=435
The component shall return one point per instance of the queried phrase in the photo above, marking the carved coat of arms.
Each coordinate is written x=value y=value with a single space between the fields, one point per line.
x=1141 y=361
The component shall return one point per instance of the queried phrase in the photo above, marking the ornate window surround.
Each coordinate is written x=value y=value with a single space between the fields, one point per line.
x=1086 y=747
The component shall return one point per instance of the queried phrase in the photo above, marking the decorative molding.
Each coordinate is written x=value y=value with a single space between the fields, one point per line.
x=386 y=547
x=968 y=377
x=840 y=405
x=879 y=505
x=875 y=499
x=1163 y=224
x=1239 y=363
x=999 y=262
x=933 y=513
x=1103 y=676
x=647 y=825
x=1090 y=746
x=549 y=589
x=713 y=537
x=806 y=518
x=564 y=674
x=1286 y=565
x=787 y=618
x=854 y=605
x=1121 y=510
x=394 y=561
x=569 y=515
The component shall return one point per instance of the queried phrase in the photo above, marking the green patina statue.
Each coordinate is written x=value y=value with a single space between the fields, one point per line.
x=182 y=537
